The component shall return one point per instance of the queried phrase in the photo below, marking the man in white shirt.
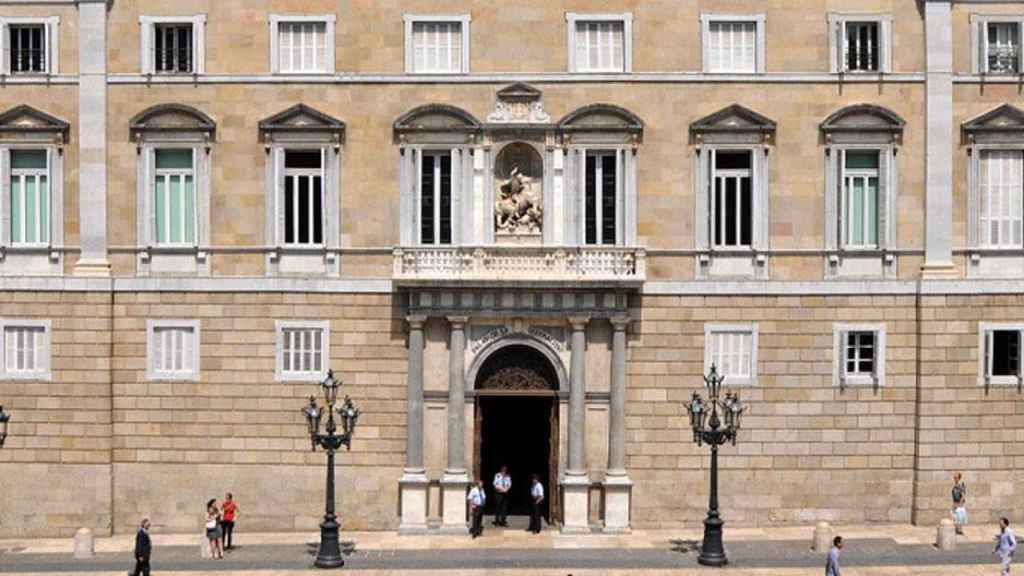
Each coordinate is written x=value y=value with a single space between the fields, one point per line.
x=1006 y=545
x=502 y=484
x=476 y=499
x=536 y=497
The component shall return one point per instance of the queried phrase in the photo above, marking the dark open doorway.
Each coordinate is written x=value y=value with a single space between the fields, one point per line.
x=517 y=426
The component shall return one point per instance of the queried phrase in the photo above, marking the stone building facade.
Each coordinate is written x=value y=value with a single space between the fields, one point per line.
x=519 y=234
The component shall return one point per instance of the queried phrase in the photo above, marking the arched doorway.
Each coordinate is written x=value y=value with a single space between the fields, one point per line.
x=517 y=425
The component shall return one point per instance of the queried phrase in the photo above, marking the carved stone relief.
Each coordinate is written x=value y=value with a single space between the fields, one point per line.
x=519 y=204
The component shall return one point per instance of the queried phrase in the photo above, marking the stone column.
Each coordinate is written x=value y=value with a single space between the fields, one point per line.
x=617 y=485
x=939 y=134
x=455 y=480
x=92 y=138
x=576 y=483
x=413 y=483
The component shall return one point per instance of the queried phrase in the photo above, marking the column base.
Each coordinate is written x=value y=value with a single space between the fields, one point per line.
x=453 y=499
x=945 y=271
x=413 y=487
x=618 y=490
x=575 y=504
x=93 y=267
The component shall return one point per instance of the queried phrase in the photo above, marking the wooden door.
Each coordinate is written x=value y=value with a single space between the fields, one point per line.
x=554 y=497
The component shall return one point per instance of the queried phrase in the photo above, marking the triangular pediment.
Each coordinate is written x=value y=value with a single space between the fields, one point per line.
x=172 y=118
x=301 y=117
x=519 y=91
x=25 y=118
x=1006 y=118
x=863 y=118
x=734 y=118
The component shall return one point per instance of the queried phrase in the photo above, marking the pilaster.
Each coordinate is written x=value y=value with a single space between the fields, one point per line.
x=455 y=479
x=576 y=484
x=414 y=483
x=617 y=485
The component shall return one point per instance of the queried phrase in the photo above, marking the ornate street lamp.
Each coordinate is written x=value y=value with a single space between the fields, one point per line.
x=4 y=419
x=714 y=430
x=329 y=553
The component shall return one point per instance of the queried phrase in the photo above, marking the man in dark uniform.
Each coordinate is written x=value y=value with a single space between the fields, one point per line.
x=143 y=549
x=536 y=497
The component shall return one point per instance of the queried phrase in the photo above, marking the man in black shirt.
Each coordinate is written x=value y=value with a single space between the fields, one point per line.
x=143 y=549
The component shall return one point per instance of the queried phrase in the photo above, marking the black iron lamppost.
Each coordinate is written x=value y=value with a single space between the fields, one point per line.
x=329 y=554
x=4 y=419
x=714 y=430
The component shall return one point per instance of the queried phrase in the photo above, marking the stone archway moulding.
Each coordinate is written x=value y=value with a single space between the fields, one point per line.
x=518 y=339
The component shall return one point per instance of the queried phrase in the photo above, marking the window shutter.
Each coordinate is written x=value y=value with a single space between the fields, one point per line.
x=148 y=164
x=5 y=65
x=5 y=196
x=581 y=197
x=52 y=41
x=973 y=196
x=982 y=47
x=711 y=215
x=841 y=360
x=278 y=213
x=987 y=366
x=832 y=194
x=455 y=206
x=417 y=190
x=884 y=188
x=147 y=47
x=760 y=216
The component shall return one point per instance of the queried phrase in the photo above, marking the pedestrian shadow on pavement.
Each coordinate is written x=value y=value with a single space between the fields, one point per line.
x=685 y=546
x=348 y=548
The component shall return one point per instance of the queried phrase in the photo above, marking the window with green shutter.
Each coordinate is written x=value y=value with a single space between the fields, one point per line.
x=30 y=197
x=175 y=197
x=860 y=199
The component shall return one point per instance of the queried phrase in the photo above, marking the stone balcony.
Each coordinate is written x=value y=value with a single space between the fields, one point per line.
x=567 y=266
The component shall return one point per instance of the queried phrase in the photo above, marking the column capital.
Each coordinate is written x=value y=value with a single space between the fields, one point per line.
x=416 y=321
x=578 y=323
x=620 y=323
x=458 y=322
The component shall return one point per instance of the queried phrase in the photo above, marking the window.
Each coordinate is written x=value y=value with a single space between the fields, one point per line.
x=600 y=42
x=600 y=200
x=437 y=44
x=859 y=354
x=733 y=44
x=732 y=349
x=30 y=197
x=26 y=349
x=303 y=197
x=861 y=47
x=1001 y=189
x=436 y=198
x=1000 y=357
x=302 y=350
x=173 y=44
x=31 y=45
x=175 y=197
x=172 y=350
x=860 y=199
x=996 y=43
x=302 y=45
x=732 y=207
x=860 y=42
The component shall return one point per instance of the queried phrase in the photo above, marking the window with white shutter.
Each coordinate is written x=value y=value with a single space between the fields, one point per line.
x=1000 y=359
x=437 y=47
x=859 y=354
x=600 y=42
x=302 y=44
x=26 y=345
x=1001 y=187
x=732 y=47
x=172 y=350
x=302 y=350
x=732 y=349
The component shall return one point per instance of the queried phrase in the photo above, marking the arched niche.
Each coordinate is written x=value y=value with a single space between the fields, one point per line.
x=518 y=351
x=519 y=194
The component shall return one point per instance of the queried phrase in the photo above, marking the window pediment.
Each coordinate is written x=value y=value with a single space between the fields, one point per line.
x=863 y=123
x=27 y=123
x=600 y=123
x=733 y=124
x=1004 y=124
x=437 y=123
x=179 y=120
x=300 y=122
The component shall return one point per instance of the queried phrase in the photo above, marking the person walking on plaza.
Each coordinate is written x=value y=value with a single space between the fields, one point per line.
x=213 y=529
x=476 y=499
x=502 y=484
x=536 y=497
x=1006 y=545
x=143 y=550
x=959 y=503
x=227 y=521
x=832 y=564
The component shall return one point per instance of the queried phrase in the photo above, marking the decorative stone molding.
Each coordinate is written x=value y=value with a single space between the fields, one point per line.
x=601 y=124
x=519 y=103
x=164 y=120
x=520 y=264
x=27 y=124
x=301 y=123
x=435 y=124
x=863 y=124
x=734 y=125
x=1003 y=125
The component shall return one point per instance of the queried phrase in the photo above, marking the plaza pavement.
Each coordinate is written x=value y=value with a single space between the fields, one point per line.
x=891 y=550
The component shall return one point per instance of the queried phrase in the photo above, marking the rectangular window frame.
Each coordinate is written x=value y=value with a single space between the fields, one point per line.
x=600 y=199
x=835 y=202
x=838 y=22
x=167 y=174
x=43 y=370
x=310 y=376
x=979 y=42
x=840 y=377
x=985 y=358
x=574 y=18
x=975 y=231
x=846 y=240
x=716 y=219
x=153 y=372
x=411 y=20
x=436 y=217
x=1002 y=220
x=329 y=22
x=710 y=332
x=297 y=173
x=759 y=20
x=42 y=233
x=55 y=169
x=147 y=54
x=51 y=25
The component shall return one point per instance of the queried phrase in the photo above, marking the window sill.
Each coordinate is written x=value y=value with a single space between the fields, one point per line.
x=306 y=377
x=44 y=376
x=859 y=380
x=171 y=377
x=1004 y=381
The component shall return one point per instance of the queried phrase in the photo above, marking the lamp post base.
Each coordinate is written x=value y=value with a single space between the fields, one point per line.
x=329 y=553
x=712 y=551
